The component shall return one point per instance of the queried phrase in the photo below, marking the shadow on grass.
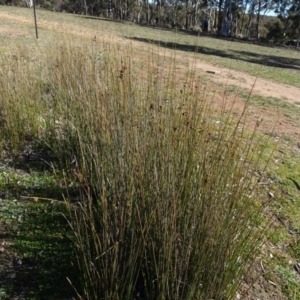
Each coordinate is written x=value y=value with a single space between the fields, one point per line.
x=45 y=253
x=247 y=56
x=190 y=32
x=37 y=254
x=41 y=257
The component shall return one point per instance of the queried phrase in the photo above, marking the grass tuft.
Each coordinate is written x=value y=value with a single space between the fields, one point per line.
x=168 y=206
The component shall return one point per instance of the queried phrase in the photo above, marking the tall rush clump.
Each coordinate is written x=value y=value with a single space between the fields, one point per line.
x=167 y=207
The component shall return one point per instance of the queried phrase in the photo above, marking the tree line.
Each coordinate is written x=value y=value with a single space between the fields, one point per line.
x=241 y=18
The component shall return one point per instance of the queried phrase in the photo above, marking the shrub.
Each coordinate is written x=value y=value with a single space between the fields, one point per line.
x=275 y=30
x=263 y=32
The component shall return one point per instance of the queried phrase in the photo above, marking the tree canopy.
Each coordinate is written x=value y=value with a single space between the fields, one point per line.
x=243 y=18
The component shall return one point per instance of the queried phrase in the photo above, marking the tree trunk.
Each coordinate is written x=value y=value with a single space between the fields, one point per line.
x=147 y=11
x=158 y=9
x=241 y=27
x=227 y=19
x=258 y=19
x=187 y=14
x=85 y=7
x=220 y=16
x=250 y=19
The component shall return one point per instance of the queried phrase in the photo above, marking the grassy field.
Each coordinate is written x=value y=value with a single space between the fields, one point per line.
x=100 y=121
x=275 y=63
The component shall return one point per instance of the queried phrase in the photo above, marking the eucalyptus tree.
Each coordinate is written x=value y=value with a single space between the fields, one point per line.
x=294 y=16
x=289 y=14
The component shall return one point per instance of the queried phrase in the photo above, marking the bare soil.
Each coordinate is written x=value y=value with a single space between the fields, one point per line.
x=257 y=85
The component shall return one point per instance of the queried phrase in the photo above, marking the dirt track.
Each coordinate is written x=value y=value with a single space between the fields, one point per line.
x=258 y=85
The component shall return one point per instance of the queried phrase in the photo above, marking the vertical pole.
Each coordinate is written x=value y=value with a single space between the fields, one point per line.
x=35 y=24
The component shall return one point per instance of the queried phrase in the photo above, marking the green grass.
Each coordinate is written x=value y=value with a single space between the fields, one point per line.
x=290 y=280
x=282 y=181
x=37 y=240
